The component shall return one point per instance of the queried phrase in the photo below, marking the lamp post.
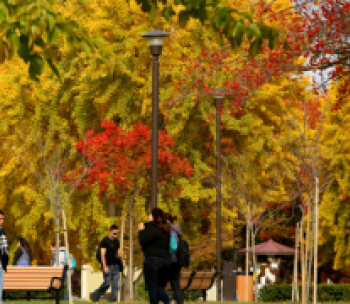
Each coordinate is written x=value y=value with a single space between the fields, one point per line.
x=155 y=39
x=219 y=95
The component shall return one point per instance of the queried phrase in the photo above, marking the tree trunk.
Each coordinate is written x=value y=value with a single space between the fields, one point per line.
x=310 y=257
x=302 y=254
x=307 y=252
x=247 y=264
x=111 y=209
x=316 y=241
x=255 y=283
x=69 y=281
x=295 y=285
x=57 y=238
x=121 y=289
x=131 y=267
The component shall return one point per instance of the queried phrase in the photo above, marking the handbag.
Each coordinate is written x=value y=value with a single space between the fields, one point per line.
x=173 y=244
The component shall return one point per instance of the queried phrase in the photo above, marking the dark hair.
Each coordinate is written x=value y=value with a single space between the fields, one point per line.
x=160 y=220
x=24 y=244
x=170 y=218
x=53 y=244
x=2 y=212
x=113 y=227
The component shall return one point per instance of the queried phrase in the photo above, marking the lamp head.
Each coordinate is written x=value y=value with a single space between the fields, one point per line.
x=155 y=39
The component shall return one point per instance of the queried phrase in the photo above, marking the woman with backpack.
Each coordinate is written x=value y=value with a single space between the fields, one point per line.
x=154 y=237
x=23 y=254
x=175 y=268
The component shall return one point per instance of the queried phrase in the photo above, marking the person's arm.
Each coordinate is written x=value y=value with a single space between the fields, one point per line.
x=103 y=259
x=147 y=235
x=18 y=254
x=120 y=253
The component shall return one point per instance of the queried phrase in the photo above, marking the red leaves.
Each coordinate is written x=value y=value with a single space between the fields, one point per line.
x=126 y=154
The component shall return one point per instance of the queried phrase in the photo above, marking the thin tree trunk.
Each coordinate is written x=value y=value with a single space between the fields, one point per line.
x=68 y=259
x=57 y=238
x=255 y=285
x=316 y=241
x=122 y=231
x=302 y=253
x=295 y=287
x=131 y=277
x=307 y=252
x=247 y=264
x=310 y=256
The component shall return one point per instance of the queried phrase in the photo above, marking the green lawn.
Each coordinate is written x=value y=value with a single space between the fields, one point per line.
x=81 y=302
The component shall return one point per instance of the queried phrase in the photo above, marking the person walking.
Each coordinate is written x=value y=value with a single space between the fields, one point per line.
x=23 y=254
x=154 y=238
x=61 y=262
x=4 y=252
x=175 y=268
x=110 y=257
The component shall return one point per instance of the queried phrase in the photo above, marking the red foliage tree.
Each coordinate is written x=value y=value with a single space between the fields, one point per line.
x=124 y=155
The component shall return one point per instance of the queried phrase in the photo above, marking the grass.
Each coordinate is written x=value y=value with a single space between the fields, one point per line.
x=81 y=302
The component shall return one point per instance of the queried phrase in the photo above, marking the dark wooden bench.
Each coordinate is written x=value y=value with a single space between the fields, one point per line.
x=35 y=278
x=196 y=280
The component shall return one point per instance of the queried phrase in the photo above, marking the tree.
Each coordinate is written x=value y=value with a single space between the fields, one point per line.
x=30 y=30
x=51 y=182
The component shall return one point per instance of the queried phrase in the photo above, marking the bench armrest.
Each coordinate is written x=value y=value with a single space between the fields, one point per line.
x=54 y=288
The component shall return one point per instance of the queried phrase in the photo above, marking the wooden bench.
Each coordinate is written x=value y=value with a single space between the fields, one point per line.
x=35 y=278
x=196 y=280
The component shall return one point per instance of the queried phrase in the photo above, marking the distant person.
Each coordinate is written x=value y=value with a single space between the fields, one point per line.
x=175 y=268
x=154 y=237
x=23 y=254
x=61 y=262
x=4 y=252
x=110 y=258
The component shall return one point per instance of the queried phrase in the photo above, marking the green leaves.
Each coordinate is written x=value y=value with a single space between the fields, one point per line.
x=255 y=47
x=36 y=67
x=168 y=12
x=184 y=16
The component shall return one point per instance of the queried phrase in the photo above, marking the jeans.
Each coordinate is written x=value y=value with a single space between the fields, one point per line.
x=155 y=272
x=1 y=282
x=111 y=277
x=175 y=273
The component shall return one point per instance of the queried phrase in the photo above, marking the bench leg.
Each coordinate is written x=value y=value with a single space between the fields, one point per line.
x=28 y=295
x=204 y=295
x=3 y=295
x=57 y=297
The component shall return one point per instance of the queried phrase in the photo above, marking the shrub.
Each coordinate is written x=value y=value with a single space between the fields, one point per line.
x=141 y=293
x=325 y=292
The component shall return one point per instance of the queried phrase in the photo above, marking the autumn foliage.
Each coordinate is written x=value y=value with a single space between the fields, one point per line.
x=124 y=155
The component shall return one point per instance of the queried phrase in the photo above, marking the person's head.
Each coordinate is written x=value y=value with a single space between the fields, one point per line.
x=52 y=247
x=170 y=218
x=24 y=244
x=113 y=232
x=159 y=219
x=2 y=217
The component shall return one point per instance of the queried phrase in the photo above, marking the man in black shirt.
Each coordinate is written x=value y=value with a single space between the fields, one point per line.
x=109 y=250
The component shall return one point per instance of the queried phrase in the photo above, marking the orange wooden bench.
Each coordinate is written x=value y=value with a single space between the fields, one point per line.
x=35 y=278
x=196 y=280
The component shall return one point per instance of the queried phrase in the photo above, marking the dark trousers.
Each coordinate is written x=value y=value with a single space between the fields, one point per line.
x=175 y=273
x=155 y=273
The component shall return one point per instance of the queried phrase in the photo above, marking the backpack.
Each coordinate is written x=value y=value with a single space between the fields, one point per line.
x=183 y=252
x=173 y=244
x=73 y=263
x=24 y=259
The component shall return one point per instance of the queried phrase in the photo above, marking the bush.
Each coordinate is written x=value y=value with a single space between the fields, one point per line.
x=19 y=294
x=141 y=293
x=325 y=292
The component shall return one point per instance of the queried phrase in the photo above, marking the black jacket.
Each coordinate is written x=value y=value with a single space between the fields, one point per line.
x=154 y=242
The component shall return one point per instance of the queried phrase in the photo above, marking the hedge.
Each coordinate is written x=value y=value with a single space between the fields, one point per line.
x=142 y=294
x=325 y=293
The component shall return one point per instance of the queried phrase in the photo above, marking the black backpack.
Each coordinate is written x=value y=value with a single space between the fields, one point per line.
x=183 y=252
x=98 y=254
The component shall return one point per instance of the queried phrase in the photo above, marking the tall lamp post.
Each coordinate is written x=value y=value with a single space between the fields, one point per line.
x=219 y=95
x=155 y=39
